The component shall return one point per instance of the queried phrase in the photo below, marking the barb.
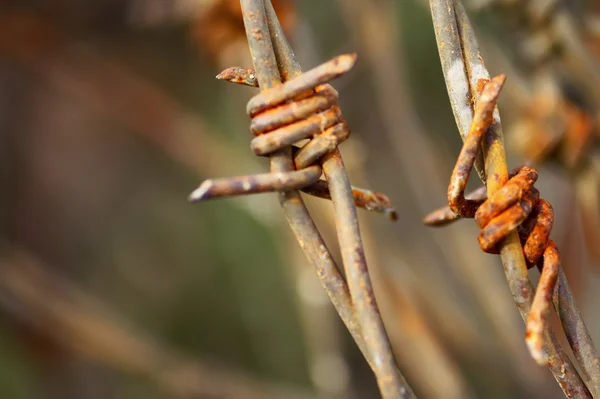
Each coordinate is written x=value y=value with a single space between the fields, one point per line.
x=534 y=234
x=277 y=124
x=462 y=63
x=381 y=51
x=266 y=182
x=266 y=143
x=304 y=107
x=369 y=200
x=305 y=126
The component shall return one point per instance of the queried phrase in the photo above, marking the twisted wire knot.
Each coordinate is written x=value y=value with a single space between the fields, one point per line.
x=516 y=206
x=301 y=108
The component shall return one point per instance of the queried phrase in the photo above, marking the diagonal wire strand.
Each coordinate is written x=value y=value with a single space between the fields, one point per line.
x=295 y=211
x=373 y=341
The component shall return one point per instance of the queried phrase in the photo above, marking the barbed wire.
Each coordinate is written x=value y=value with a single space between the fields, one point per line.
x=292 y=106
x=510 y=204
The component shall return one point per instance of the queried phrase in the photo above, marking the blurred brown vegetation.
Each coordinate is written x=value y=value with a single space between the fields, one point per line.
x=112 y=285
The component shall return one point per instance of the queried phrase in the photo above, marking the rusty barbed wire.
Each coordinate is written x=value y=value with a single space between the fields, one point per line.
x=500 y=216
x=282 y=118
x=516 y=204
x=304 y=107
x=384 y=52
x=559 y=102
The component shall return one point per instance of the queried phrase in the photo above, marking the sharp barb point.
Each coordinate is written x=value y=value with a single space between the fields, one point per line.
x=201 y=193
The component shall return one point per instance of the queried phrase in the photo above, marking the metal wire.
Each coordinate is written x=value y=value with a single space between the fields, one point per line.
x=563 y=58
x=465 y=74
x=516 y=204
x=304 y=107
x=278 y=122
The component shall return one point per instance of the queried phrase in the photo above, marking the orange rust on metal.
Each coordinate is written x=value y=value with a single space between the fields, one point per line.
x=482 y=120
x=522 y=180
x=281 y=115
x=288 y=135
x=459 y=52
x=363 y=198
x=481 y=83
x=352 y=297
x=278 y=109
x=515 y=206
x=444 y=215
x=501 y=214
x=239 y=75
x=537 y=320
x=322 y=144
x=502 y=224
x=302 y=108
x=536 y=230
x=309 y=80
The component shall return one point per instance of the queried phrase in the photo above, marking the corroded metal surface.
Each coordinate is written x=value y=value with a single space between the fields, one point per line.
x=512 y=205
x=293 y=106
x=301 y=108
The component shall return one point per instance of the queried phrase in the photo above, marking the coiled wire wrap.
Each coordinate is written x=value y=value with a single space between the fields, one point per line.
x=465 y=75
x=302 y=108
x=516 y=206
x=299 y=109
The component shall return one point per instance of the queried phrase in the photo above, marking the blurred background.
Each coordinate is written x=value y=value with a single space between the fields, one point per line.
x=113 y=286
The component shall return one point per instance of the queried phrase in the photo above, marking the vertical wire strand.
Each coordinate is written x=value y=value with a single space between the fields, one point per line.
x=391 y=382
